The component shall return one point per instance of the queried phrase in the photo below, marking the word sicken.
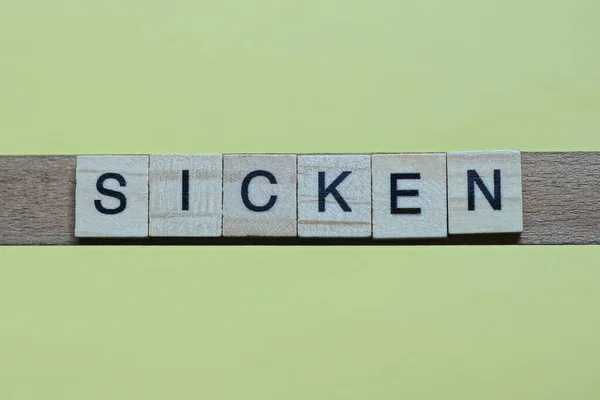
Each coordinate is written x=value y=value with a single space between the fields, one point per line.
x=384 y=196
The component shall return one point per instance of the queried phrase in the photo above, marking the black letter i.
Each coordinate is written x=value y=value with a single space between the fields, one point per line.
x=185 y=189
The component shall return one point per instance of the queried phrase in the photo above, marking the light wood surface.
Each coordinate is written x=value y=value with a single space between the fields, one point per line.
x=111 y=217
x=196 y=211
x=561 y=197
x=274 y=202
x=419 y=196
x=493 y=174
x=346 y=175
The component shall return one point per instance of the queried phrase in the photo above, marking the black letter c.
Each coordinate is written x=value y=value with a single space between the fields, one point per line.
x=245 y=185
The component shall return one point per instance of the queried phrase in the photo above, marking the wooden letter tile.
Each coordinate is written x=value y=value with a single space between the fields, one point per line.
x=111 y=196
x=186 y=195
x=334 y=195
x=484 y=192
x=409 y=195
x=259 y=195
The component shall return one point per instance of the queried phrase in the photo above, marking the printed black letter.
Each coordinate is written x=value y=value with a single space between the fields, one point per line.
x=245 y=185
x=331 y=189
x=185 y=190
x=111 y=193
x=395 y=193
x=474 y=178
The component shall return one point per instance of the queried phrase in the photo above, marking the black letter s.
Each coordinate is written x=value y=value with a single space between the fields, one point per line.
x=111 y=193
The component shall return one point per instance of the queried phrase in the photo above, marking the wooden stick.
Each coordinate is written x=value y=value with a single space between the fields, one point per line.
x=561 y=196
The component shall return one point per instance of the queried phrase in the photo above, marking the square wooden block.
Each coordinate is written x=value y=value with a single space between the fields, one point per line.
x=111 y=198
x=334 y=195
x=485 y=192
x=409 y=195
x=186 y=195
x=259 y=195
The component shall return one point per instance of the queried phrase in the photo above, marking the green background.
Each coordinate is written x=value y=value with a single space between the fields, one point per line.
x=299 y=322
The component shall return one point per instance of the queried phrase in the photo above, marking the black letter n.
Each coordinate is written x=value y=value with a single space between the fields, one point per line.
x=495 y=200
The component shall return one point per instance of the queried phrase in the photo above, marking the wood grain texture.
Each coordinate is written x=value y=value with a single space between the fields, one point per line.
x=491 y=171
x=346 y=175
x=37 y=196
x=202 y=213
x=561 y=197
x=268 y=219
x=95 y=215
x=421 y=214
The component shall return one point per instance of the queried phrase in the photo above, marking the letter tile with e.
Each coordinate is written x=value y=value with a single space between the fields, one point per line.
x=409 y=195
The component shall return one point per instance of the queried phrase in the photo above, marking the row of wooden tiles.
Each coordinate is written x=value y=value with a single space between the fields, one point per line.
x=399 y=195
